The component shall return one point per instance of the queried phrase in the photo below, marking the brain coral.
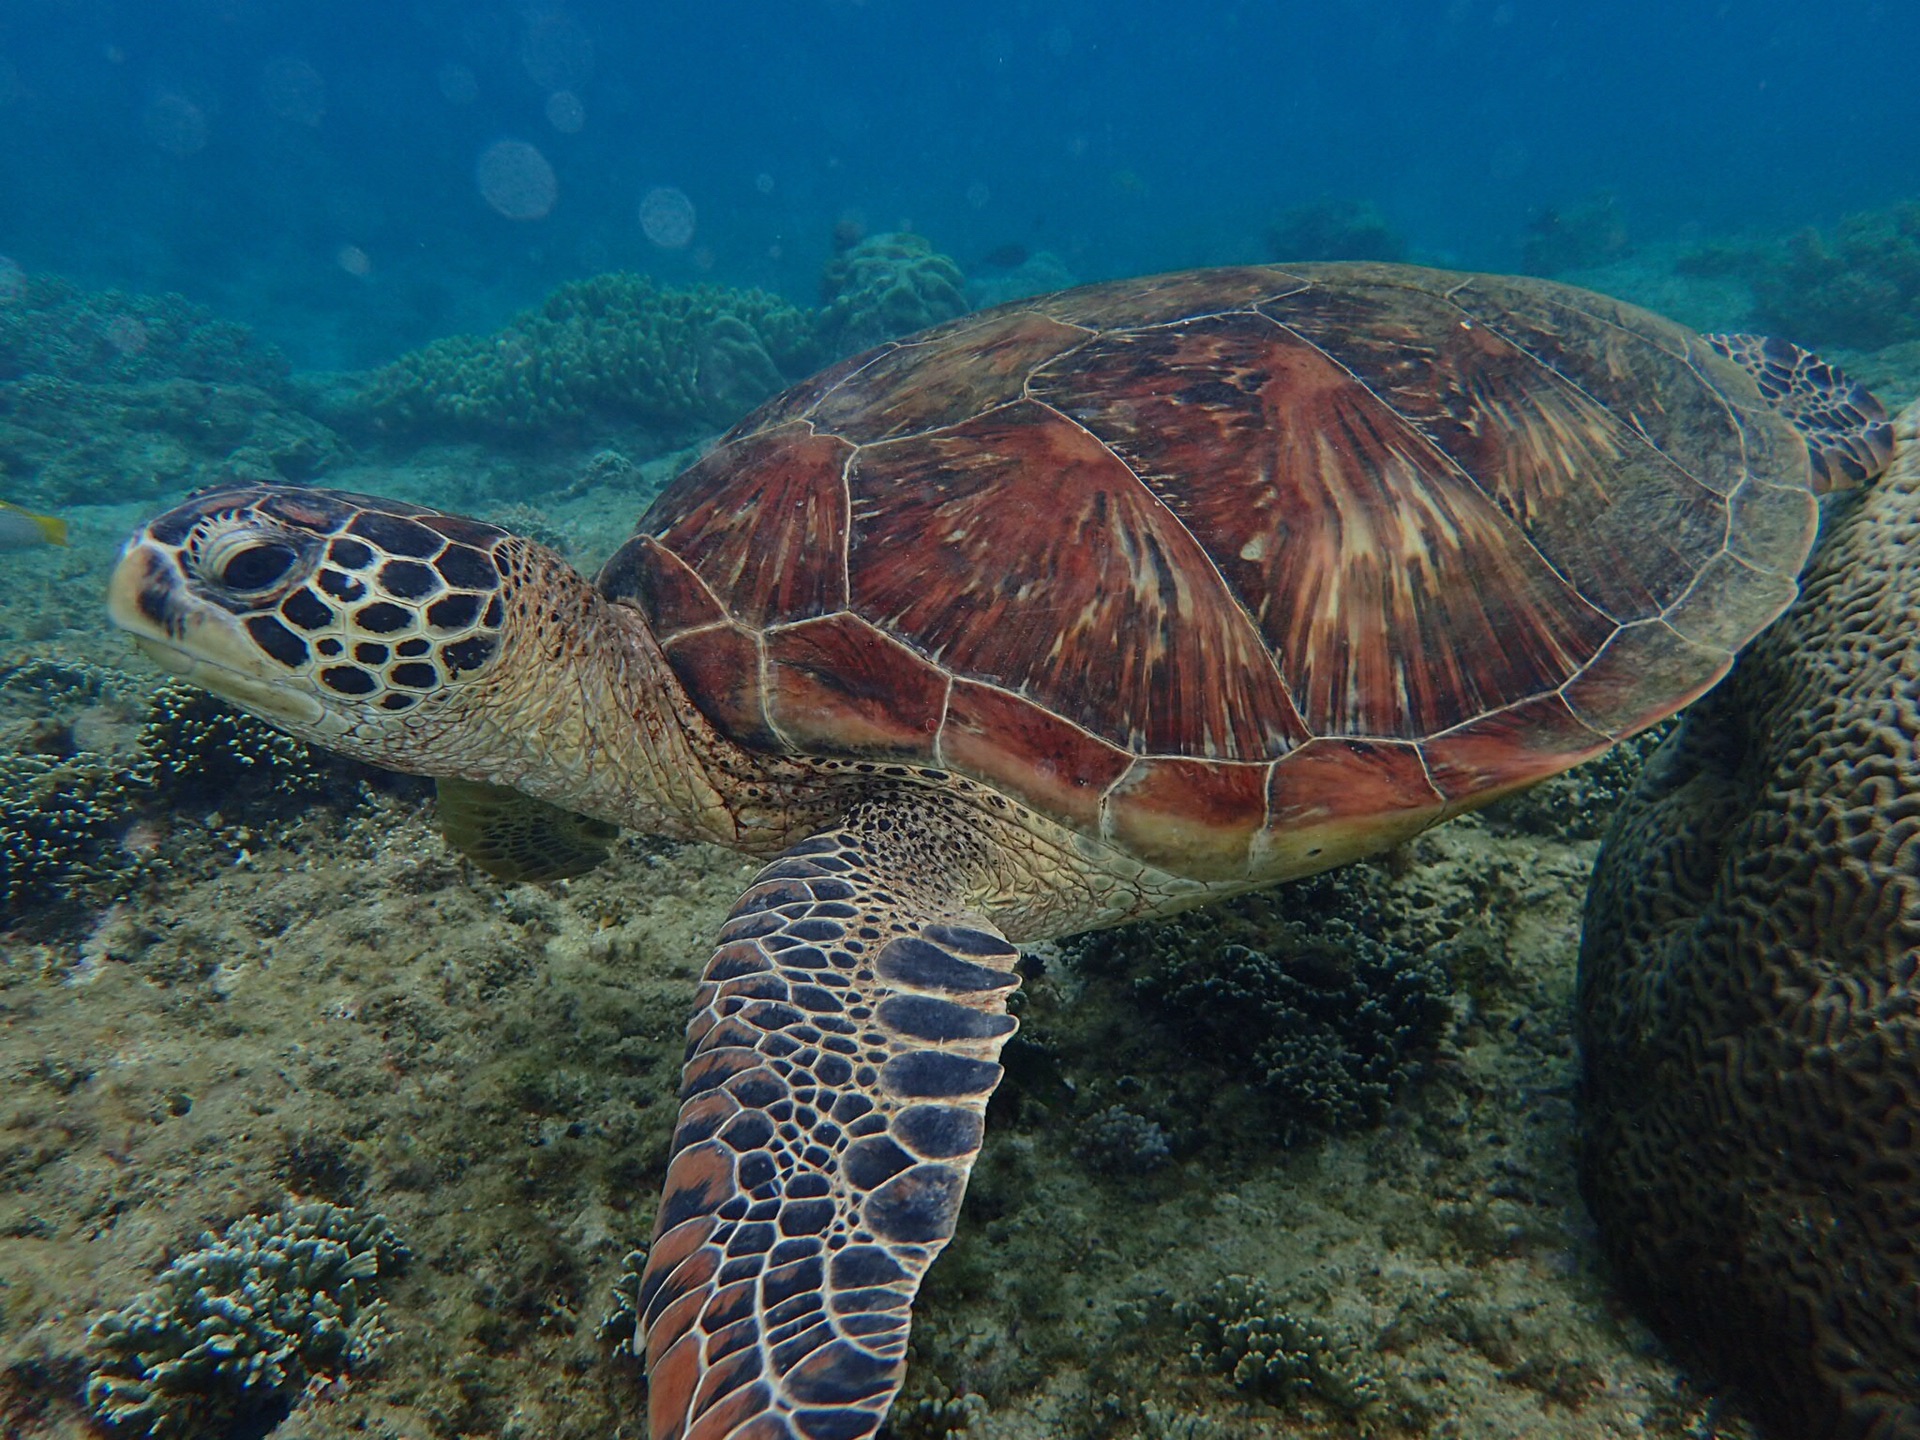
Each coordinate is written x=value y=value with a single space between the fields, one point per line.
x=1749 y=1008
x=887 y=286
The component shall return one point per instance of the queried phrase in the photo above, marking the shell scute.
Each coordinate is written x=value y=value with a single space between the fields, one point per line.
x=927 y=384
x=1549 y=456
x=1394 y=595
x=1193 y=817
x=1508 y=749
x=1042 y=760
x=838 y=684
x=772 y=559
x=1329 y=800
x=1168 y=299
x=935 y=519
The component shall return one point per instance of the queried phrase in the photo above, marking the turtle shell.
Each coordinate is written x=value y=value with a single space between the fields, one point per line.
x=1247 y=571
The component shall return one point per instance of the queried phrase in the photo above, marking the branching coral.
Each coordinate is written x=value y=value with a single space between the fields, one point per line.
x=240 y=1325
x=1236 y=1328
x=1118 y=1142
x=200 y=748
x=63 y=816
x=611 y=348
x=1305 y=993
x=59 y=825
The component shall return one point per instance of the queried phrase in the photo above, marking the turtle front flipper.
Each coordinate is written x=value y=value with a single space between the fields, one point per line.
x=1848 y=434
x=837 y=1075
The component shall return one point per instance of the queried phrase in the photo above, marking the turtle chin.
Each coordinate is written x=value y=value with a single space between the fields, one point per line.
x=203 y=644
x=272 y=701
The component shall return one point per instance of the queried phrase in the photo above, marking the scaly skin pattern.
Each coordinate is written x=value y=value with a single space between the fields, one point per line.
x=838 y=1069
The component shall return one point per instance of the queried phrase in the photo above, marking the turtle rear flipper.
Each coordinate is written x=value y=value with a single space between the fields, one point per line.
x=837 y=1075
x=516 y=838
x=1845 y=425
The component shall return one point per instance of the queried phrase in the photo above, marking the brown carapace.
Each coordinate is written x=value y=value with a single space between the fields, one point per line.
x=1245 y=571
x=1074 y=611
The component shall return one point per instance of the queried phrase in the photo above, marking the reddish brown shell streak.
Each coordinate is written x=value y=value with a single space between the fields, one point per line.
x=1240 y=569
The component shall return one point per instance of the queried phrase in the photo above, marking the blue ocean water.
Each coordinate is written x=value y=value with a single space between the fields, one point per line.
x=355 y=178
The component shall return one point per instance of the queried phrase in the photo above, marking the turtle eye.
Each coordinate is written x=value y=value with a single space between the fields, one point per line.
x=245 y=561
x=256 y=567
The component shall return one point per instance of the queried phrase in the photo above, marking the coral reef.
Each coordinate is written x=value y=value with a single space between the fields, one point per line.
x=67 y=811
x=1581 y=236
x=1858 y=287
x=1334 y=230
x=606 y=350
x=1748 y=1011
x=886 y=286
x=133 y=395
x=1238 y=1329
x=241 y=1325
x=51 y=327
x=1303 y=994
x=64 y=442
x=1118 y=1142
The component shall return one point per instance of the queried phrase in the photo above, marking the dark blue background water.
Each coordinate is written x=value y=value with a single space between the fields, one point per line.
x=312 y=168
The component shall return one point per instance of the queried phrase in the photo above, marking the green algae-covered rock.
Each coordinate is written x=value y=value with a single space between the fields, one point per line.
x=611 y=349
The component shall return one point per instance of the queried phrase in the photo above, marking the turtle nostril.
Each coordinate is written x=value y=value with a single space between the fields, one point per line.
x=257 y=567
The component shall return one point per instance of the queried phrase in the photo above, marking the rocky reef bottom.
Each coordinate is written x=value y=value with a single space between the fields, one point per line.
x=309 y=1002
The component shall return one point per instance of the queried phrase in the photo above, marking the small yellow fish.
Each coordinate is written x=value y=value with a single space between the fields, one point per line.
x=22 y=528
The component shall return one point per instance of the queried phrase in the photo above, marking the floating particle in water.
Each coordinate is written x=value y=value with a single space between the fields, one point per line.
x=126 y=334
x=666 y=216
x=557 y=52
x=13 y=279
x=516 y=180
x=978 y=195
x=175 y=124
x=565 y=112
x=457 y=84
x=763 y=182
x=353 y=260
x=294 y=90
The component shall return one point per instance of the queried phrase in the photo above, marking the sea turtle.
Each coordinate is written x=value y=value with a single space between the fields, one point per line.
x=1082 y=609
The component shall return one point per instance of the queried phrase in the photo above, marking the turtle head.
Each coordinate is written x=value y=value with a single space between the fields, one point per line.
x=353 y=622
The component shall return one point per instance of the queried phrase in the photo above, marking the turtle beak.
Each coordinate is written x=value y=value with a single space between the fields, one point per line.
x=204 y=645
